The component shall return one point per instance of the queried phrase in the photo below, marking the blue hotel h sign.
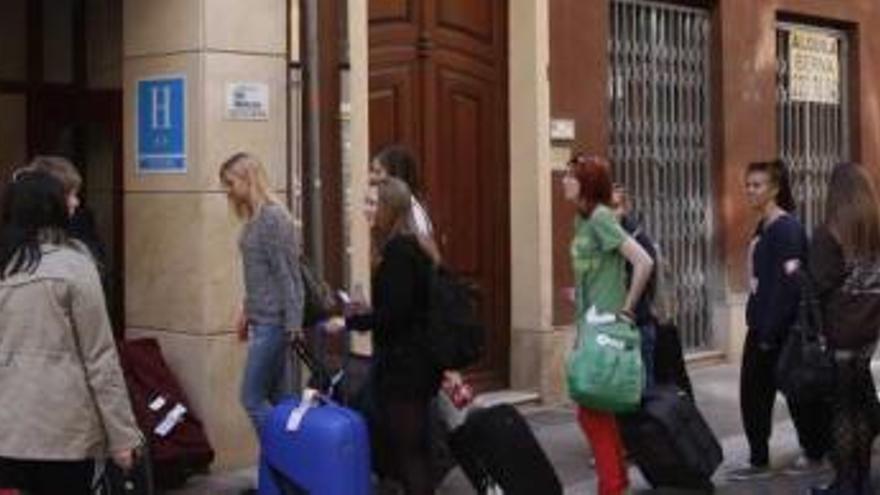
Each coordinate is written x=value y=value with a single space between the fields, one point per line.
x=161 y=125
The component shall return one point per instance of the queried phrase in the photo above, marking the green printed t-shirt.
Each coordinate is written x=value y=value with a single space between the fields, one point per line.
x=599 y=268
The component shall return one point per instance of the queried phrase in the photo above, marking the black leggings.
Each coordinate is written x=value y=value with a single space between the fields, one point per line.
x=406 y=427
x=854 y=424
x=757 y=397
x=48 y=477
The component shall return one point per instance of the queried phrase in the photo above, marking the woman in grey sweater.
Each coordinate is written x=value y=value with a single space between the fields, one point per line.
x=273 y=302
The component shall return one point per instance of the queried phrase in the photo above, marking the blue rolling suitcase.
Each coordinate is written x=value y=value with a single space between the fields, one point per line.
x=318 y=448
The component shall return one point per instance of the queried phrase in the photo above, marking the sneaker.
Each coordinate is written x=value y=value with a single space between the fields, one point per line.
x=805 y=465
x=821 y=490
x=749 y=473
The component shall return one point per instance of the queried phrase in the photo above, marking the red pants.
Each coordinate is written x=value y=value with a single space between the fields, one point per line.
x=601 y=431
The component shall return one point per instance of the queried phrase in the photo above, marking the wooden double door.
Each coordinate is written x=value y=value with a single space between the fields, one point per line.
x=438 y=84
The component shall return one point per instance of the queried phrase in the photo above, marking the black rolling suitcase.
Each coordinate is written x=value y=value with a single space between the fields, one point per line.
x=496 y=447
x=671 y=442
x=669 y=365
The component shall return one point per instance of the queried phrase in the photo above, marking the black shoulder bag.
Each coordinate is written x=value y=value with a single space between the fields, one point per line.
x=805 y=370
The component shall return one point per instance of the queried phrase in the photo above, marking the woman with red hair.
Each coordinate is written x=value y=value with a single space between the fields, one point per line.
x=599 y=252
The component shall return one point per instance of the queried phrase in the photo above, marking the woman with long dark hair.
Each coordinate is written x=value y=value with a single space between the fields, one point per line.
x=62 y=389
x=776 y=254
x=845 y=264
x=599 y=251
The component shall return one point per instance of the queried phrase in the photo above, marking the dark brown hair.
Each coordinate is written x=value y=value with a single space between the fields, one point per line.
x=851 y=212
x=778 y=173
x=400 y=162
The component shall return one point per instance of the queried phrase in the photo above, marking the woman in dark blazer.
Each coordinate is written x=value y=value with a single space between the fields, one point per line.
x=403 y=376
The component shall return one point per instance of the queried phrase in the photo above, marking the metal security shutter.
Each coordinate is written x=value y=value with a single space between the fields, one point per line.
x=660 y=146
x=813 y=135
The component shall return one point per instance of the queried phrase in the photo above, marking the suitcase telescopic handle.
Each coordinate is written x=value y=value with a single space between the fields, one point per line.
x=326 y=381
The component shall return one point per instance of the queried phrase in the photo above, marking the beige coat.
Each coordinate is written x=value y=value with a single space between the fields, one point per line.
x=62 y=393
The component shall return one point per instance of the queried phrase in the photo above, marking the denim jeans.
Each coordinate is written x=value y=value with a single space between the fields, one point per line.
x=265 y=372
x=649 y=340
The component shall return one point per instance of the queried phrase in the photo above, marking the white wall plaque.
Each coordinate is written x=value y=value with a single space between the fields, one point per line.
x=247 y=101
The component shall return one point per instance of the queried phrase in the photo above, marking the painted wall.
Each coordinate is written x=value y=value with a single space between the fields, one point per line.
x=743 y=114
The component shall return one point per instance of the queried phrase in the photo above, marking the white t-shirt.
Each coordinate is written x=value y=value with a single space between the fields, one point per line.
x=420 y=221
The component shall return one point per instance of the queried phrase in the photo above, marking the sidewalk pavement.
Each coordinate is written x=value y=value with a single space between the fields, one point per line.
x=717 y=392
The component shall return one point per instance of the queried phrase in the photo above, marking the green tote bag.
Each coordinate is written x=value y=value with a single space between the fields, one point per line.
x=605 y=369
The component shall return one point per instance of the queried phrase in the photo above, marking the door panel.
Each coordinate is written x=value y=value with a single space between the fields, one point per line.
x=393 y=106
x=475 y=29
x=394 y=24
x=440 y=87
x=469 y=17
x=383 y=11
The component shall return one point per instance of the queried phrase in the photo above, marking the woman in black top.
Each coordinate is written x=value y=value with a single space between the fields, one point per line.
x=776 y=253
x=405 y=380
x=845 y=264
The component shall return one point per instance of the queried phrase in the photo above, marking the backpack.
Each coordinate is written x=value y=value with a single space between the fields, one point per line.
x=456 y=338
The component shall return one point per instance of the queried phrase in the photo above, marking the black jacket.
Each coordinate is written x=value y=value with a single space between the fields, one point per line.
x=772 y=306
x=398 y=321
x=849 y=294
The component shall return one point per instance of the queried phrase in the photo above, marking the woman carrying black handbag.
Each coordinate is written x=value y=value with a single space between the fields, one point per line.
x=776 y=254
x=845 y=263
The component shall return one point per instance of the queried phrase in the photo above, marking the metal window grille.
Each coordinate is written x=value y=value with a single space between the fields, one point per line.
x=660 y=146
x=812 y=136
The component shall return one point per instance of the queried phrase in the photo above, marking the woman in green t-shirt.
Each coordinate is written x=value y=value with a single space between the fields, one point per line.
x=599 y=252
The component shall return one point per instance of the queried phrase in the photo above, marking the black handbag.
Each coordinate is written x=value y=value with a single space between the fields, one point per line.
x=137 y=481
x=805 y=370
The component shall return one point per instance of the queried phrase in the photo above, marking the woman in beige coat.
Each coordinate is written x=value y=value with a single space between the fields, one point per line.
x=63 y=396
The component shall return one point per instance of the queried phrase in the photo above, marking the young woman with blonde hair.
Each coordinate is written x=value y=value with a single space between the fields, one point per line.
x=273 y=302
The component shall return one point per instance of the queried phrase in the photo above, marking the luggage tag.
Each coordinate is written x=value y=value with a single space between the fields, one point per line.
x=157 y=403
x=174 y=416
x=309 y=400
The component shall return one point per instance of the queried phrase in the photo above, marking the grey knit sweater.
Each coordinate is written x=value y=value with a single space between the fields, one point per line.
x=272 y=281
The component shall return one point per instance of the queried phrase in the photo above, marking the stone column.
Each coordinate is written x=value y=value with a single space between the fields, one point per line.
x=182 y=270
x=535 y=346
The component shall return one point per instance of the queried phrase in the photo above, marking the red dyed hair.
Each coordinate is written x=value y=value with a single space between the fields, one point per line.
x=593 y=173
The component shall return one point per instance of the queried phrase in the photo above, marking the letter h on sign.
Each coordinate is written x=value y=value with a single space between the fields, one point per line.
x=161 y=125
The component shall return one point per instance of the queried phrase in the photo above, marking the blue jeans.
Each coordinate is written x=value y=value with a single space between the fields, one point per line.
x=265 y=372
x=649 y=340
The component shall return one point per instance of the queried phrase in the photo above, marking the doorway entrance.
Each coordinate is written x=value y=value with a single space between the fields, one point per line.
x=60 y=93
x=438 y=84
